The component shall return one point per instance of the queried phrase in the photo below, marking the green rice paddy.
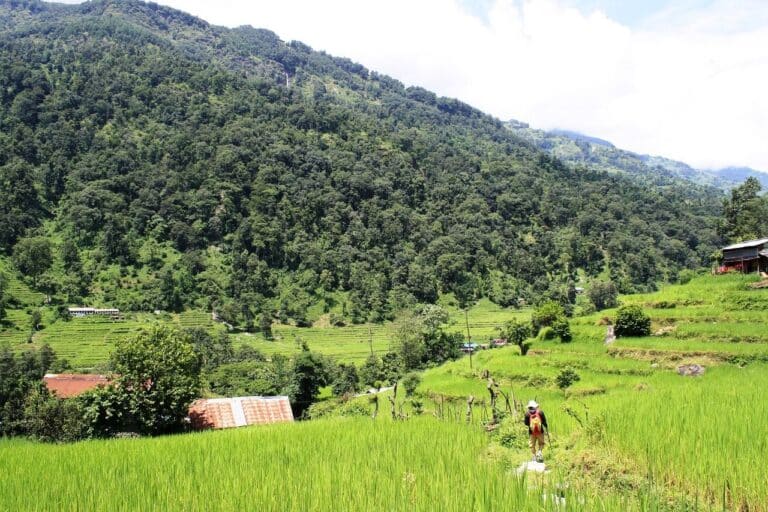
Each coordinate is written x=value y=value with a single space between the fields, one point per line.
x=631 y=434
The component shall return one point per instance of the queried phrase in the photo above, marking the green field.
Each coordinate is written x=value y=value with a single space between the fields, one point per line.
x=416 y=465
x=631 y=434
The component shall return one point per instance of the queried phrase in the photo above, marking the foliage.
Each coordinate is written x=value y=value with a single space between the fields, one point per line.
x=744 y=212
x=410 y=382
x=421 y=340
x=546 y=315
x=20 y=376
x=631 y=320
x=566 y=377
x=310 y=373
x=158 y=376
x=52 y=419
x=180 y=174
x=32 y=256
x=516 y=332
x=562 y=328
x=371 y=371
x=346 y=380
x=603 y=295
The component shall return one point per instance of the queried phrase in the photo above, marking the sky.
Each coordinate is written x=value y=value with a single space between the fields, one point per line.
x=684 y=79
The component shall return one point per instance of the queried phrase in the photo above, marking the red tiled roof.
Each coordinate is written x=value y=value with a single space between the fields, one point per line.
x=66 y=385
x=240 y=411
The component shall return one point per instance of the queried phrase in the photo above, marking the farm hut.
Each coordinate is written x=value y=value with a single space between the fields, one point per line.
x=239 y=411
x=67 y=385
x=749 y=256
x=83 y=312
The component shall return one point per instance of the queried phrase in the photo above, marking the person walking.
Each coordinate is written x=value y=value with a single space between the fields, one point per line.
x=537 y=427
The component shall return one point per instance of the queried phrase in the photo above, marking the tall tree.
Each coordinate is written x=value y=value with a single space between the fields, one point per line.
x=745 y=212
x=32 y=256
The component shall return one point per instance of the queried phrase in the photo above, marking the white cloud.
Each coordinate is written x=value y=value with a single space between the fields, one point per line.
x=690 y=83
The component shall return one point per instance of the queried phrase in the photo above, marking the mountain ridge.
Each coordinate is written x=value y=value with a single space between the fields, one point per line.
x=595 y=151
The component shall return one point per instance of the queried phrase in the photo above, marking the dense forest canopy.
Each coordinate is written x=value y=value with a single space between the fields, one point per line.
x=170 y=163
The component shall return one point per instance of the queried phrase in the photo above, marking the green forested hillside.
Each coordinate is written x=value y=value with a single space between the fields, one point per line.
x=172 y=164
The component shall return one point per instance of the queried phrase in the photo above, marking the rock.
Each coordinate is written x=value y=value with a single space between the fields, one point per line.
x=610 y=336
x=690 y=370
x=532 y=467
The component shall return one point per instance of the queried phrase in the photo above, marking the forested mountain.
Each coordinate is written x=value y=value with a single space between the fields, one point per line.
x=278 y=175
x=578 y=149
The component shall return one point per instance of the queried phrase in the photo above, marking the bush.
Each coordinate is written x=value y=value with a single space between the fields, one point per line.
x=547 y=333
x=512 y=434
x=411 y=382
x=562 y=329
x=566 y=377
x=686 y=275
x=546 y=315
x=51 y=419
x=632 y=321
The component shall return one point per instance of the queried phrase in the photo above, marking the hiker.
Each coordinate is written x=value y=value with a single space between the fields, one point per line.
x=537 y=426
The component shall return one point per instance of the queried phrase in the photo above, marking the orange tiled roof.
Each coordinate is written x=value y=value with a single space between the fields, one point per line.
x=66 y=385
x=240 y=411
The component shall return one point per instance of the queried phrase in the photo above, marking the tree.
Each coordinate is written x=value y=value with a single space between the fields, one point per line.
x=158 y=377
x=265 y=324
x=32 y=256
x=346 y=381
x=3 y=286
x=410 y=342
x=212 y=351
x=309 y=374
x=372 y=372
x=516 y=332
x=603 y=294
x=631 y=320
x=35 y=318
x=744 y=212
x=562 y=329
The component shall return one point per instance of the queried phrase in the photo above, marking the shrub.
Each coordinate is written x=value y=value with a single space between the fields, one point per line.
x=547 y=333
x=545 y=315
x=512 y=434
x=566 y=377
x=562 y=329
x=632 y=321
x=411 y=382
x=686 y=275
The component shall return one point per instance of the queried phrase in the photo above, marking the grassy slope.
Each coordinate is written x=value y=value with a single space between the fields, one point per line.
x=687 y=433
x=643 y=419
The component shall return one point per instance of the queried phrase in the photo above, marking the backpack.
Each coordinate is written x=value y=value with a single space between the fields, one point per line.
x=535 y=423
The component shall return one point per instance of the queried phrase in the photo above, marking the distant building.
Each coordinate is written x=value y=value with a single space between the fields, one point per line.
x=83 y=312
x=239 y=411
x=749 y=256
x=67 y=385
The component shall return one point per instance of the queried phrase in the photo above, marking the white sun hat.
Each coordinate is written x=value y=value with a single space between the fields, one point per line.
x=533 y=405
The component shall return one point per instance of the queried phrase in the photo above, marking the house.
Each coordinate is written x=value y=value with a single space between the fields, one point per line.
x=67 y=385
x=239 y=411
x=83 y=312
x=749 y=256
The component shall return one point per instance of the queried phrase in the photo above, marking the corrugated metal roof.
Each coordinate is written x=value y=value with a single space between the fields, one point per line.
x=240 y=411
x=67 y=385
x=748 y=243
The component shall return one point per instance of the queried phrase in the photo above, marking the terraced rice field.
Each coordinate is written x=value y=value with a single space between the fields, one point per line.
x=419 y=465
